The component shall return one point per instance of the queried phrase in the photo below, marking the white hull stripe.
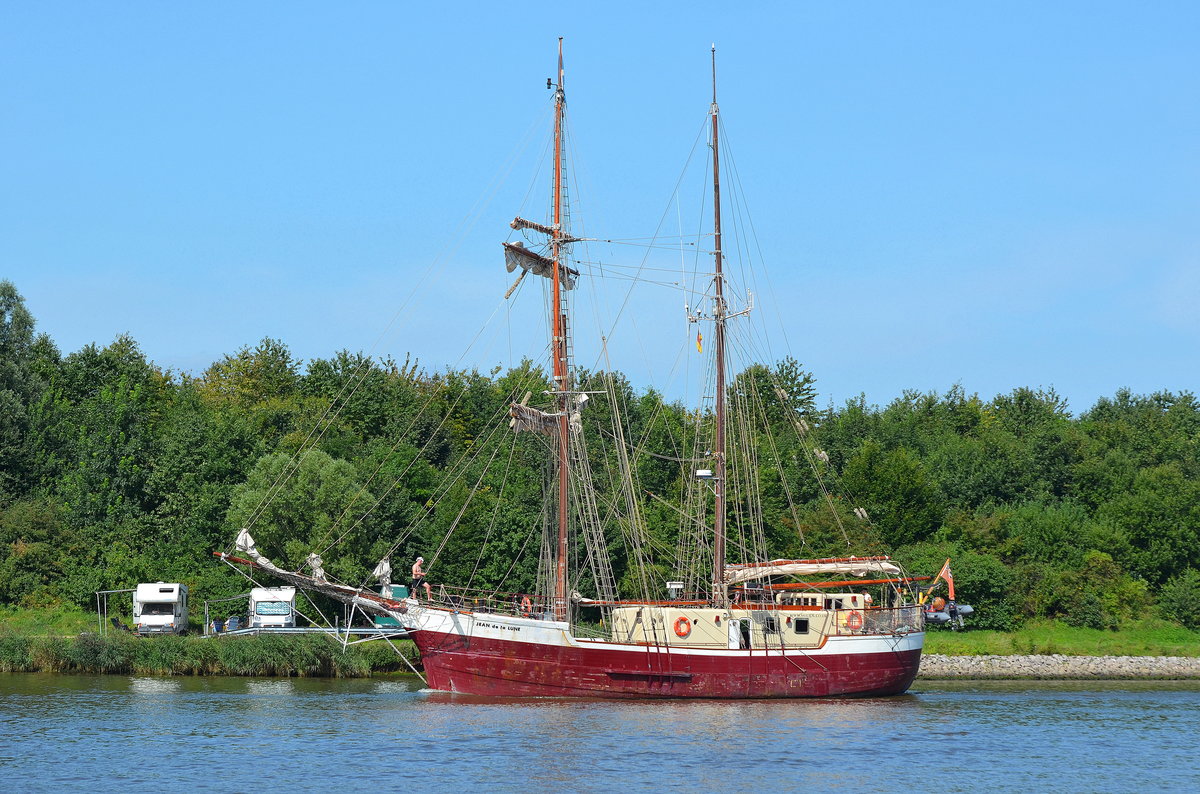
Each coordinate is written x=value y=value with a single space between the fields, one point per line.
x=543 y=632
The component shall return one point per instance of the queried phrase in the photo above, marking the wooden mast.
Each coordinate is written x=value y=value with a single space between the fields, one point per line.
x=559 y=346
x=720 y=593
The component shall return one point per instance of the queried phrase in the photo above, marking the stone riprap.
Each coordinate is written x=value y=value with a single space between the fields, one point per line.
x=935 y=666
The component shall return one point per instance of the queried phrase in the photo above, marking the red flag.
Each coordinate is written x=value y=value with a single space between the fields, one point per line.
x=699 y=340
x=949 y=577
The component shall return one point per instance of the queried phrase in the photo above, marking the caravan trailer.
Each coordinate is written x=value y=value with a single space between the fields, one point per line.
x=160 y=608
x=272 y=608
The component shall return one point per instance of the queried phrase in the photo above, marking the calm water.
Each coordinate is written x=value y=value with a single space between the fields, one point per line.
x=227 y=734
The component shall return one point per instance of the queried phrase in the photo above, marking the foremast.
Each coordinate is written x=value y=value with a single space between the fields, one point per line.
x=719 y=589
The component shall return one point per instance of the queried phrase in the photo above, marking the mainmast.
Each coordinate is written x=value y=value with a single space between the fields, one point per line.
x=720 y=593
x=563 y=277
x=559 y=347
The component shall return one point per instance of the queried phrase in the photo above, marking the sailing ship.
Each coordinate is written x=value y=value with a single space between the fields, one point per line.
x=771 y=628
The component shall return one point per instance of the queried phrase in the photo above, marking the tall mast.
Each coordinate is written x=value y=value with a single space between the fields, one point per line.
x=720 y=593
x=559 y=346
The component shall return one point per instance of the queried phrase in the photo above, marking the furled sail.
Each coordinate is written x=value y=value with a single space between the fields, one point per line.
x=576 y=416
x=318 y=566
x=364 y=599
x=531 y=420
x=383 y=571
x=736 y=574
x=517 y=255
x=372 y=603
x=245 y=544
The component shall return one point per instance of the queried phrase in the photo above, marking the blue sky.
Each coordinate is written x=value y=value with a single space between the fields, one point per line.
x=998 y=195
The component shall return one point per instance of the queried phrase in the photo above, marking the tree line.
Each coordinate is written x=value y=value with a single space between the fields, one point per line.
x=115 y=471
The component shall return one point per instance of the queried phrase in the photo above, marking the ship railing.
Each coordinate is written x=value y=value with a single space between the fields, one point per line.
x=846 y=622
x=877 y=620
x=466 y=599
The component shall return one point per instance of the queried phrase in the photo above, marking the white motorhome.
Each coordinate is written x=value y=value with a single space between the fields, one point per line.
x=160 y=608
x=272 y=607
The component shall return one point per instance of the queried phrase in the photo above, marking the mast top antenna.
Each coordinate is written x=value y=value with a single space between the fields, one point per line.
x=714 y=75
x=560 y=64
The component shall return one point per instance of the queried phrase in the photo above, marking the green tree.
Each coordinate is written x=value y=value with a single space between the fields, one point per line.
x=113 y=399
x=893 y=486
x=29 y=553
x=1098 y=594
x=254 y=375
x=354 y=386
x=1180 y=599
x=1153 y=430
x=311 y=503
x=20 y=386
x=1057 y=533
x=202 y=454
x=779 y=394
x=1160 y=519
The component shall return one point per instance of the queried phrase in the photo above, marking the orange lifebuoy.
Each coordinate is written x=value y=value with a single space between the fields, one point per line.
x=683 y=626
x=854 y=620
x=526 y=606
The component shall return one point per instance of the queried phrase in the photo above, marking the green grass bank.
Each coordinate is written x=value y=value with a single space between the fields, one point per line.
x=1150 y=637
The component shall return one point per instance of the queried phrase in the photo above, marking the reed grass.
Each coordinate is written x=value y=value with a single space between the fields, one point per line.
x=304 y=655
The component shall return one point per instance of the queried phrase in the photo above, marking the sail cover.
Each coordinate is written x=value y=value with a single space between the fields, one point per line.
x=517 y=255
x=318 y=566
x=383 y=571
x=245 y=544
x=531 y=420
x=736 y=574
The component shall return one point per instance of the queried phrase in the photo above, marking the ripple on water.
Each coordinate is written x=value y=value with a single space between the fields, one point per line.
x=150 y=734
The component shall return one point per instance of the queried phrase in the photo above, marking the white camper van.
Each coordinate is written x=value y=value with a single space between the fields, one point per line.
x=272 y=607
x=160 y=608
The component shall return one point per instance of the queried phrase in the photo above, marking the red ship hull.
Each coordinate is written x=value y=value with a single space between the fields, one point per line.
x=503 y=668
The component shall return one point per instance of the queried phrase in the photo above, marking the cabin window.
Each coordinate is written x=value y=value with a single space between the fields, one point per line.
x=770 y=624
x=800 y=625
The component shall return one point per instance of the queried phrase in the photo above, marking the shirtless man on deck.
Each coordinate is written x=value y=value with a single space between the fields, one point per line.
x=419 y=579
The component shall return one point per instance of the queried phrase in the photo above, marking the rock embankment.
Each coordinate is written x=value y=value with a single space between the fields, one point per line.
x=935 y=666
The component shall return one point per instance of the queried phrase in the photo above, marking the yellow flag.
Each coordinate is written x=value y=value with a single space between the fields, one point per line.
x=699 y=340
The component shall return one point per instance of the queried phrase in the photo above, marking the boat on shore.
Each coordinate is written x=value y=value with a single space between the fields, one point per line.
x=755 y=628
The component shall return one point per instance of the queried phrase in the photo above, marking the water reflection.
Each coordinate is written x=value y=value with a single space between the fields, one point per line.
x=306 y=734
x=270 y=687
x=154 y=686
